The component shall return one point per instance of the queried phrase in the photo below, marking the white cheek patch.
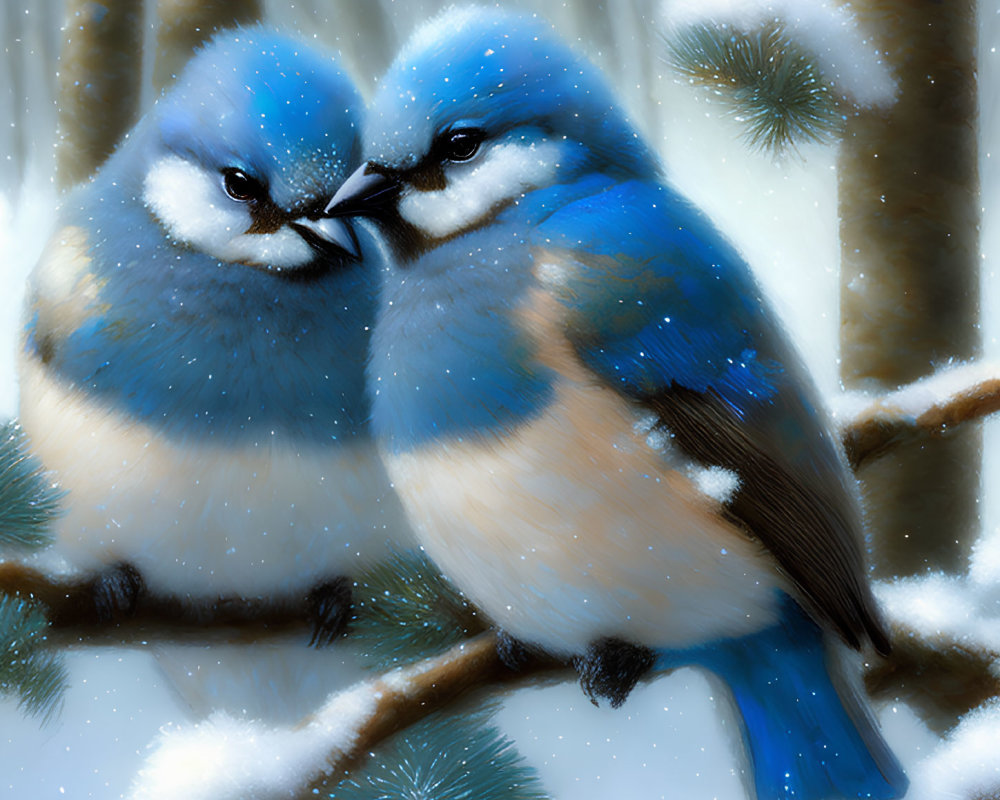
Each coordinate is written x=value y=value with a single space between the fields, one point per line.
x=505 y=173
x=283 y=248
x=190 y=203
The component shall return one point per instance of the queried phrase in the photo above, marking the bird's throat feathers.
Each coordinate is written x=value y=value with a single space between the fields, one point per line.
x=450 y=355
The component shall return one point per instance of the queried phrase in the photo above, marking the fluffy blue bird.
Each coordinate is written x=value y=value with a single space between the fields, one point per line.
x=595 y=423
x=192 y=365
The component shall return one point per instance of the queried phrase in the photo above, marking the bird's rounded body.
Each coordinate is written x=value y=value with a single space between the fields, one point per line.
x=192 y=366
x=577 y=500
x=266 y=518
x=523 y=467
x=595 y=422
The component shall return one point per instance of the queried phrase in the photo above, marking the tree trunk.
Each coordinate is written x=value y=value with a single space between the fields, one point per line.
x=909 y=207
x=100 y=75
x=187 y=24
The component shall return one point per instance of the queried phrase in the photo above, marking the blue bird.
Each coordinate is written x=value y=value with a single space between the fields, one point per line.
x=596 y=425
x=192 y=363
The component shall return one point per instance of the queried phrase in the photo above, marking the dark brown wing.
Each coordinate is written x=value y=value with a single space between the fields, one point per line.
x=806 y=519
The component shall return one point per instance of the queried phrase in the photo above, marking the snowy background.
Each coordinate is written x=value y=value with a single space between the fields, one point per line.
x=669 y=739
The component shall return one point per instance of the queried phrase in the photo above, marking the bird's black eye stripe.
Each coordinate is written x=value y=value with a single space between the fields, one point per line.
x=240 y=186
x=460 y=144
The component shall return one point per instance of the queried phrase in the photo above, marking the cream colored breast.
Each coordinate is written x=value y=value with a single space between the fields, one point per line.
x=580 y=524
x=198 y=518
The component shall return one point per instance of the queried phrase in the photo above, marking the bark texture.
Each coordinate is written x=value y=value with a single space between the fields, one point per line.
x=909 y=206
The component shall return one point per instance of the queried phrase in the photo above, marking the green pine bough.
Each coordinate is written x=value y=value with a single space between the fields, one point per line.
x=772 y=85
x=445 y=757
x=29 y=669
x=28 y=502
x=404 y=610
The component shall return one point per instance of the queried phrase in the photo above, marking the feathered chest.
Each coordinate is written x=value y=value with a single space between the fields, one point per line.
x=193 y=345
x=450 y=352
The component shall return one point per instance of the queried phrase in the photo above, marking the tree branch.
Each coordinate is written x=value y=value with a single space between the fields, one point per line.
x=342 y=735
x=933 y=407
x=73 y=608
x=392 y=702
x=941 y=681
x=410 y=693
x=258 y=762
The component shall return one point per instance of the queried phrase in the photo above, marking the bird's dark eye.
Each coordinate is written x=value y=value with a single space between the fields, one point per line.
x=240 y=186
x=463 y=144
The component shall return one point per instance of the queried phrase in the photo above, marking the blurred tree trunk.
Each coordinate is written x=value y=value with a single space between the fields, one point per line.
x=909 y=207
x=187 y=24
x=100 y=76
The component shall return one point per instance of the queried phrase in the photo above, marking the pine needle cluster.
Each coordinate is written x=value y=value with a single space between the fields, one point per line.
x=28 y=502
x=29 y=670
x=445 y=757
x=404 y=610
x=773 y=86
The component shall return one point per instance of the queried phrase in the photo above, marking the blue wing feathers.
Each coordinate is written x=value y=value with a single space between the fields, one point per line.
x=663 y=323
x=663 y=308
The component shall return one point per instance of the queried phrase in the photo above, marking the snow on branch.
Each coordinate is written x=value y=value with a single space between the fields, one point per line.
x=223 y=757
x=226 y=757
x=828 y=30
x=789 y=71
x=932 y=406
x=231 y=758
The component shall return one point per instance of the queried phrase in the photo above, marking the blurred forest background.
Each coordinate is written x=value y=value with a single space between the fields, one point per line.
x=837 y=233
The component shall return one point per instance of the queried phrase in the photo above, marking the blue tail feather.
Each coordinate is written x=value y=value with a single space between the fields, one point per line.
x=806 y=738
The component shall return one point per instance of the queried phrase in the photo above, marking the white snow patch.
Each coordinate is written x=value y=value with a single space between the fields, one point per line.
x=967 y=765
x=853 y=62
x=718 y=483
x=945 y=608
x=984 y=567
x=658 y=439
x=645 y=424
x=941 y=387
x=846 y=407
x=224 y=757
x=504 y=172
x=934 y=605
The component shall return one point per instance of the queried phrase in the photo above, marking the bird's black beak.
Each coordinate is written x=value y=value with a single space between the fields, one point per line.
x=368 y=192
x=328 y=236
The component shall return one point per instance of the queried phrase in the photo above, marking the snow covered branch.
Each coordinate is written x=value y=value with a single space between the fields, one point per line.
x=932 y=406
x=942 y=676
x=228 y=758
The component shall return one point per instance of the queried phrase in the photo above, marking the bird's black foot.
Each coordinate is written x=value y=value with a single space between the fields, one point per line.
x=611 y=668
x=513 y=653
x=116 y=592
x=329 y=609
